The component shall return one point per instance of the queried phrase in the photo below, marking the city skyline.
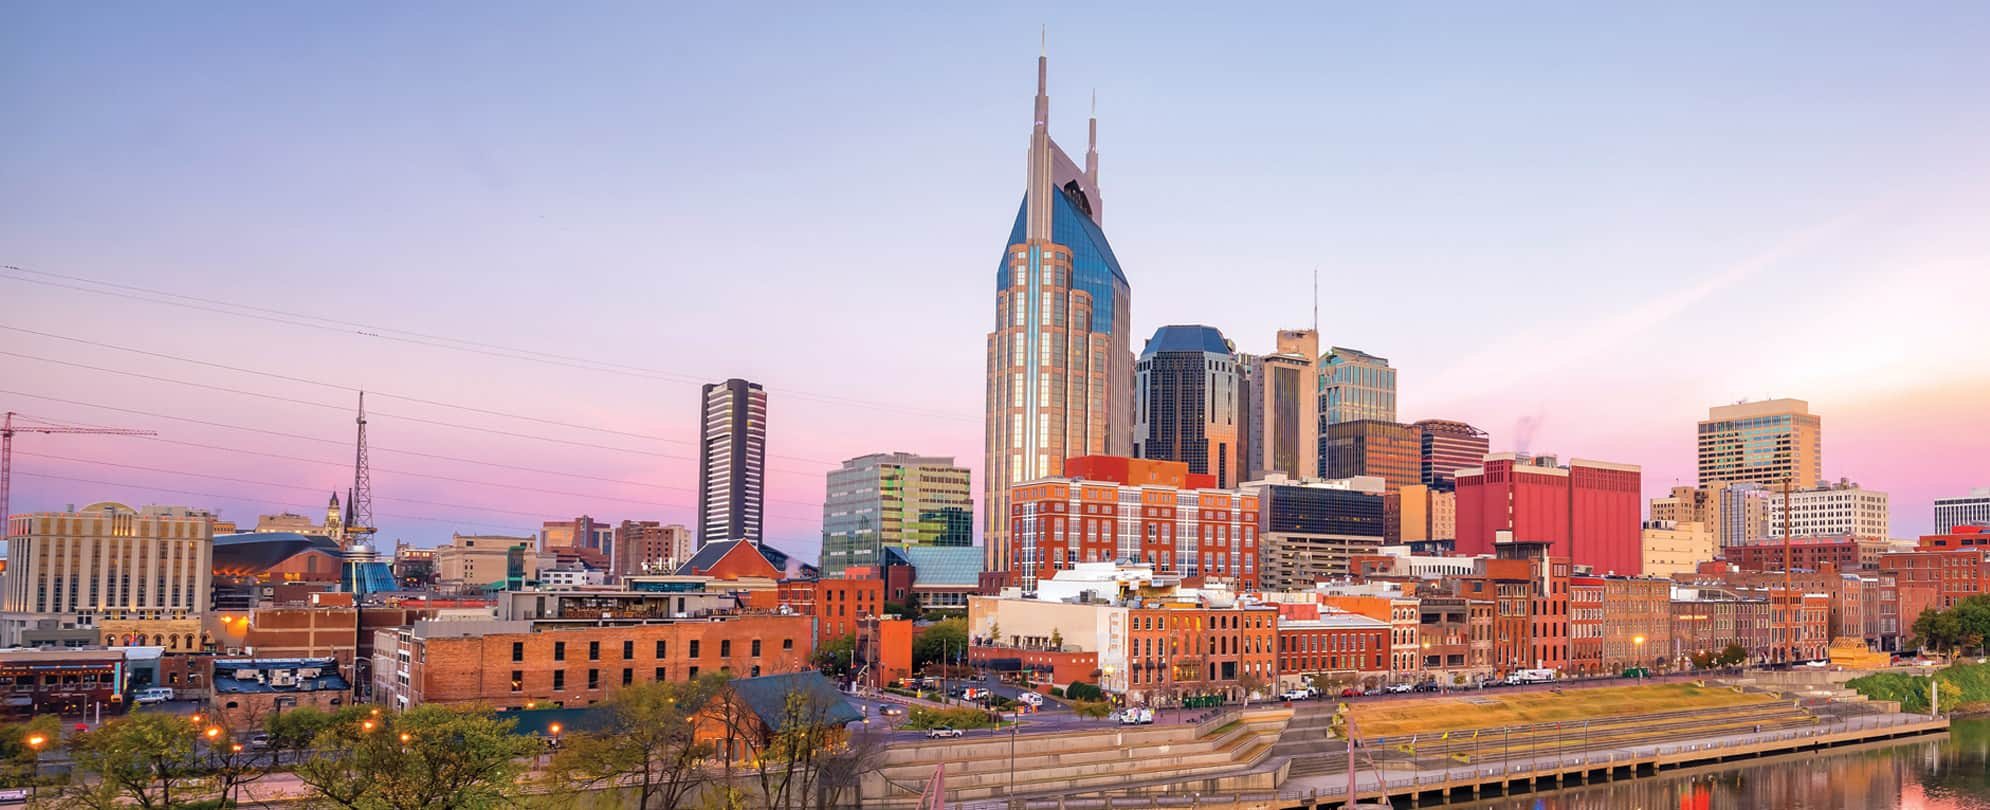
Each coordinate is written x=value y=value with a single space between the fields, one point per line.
x=580 y=224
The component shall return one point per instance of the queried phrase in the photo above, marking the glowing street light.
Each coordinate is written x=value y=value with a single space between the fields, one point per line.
x=213 y=732
x=366 y=725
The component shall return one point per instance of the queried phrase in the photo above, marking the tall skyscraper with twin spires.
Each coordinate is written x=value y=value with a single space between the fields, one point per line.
x=1060 y=366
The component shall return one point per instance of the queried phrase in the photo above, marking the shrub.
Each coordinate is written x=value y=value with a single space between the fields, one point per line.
x=1080 y=690
x=1091 y=708
x=924 y=718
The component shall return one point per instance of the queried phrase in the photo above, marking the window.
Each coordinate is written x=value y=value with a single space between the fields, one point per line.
x=594 y=651
x=628 y=676
x=559 y=652
x=559 y=679
x=661 y=676
x=517 y=680
x=787 y=644
x=725 y=648
x=694 y=653
x=594 y=679
x=628 y=650
x=517 y=651
x=756 y=648
x=662 y=651
x=694 y=670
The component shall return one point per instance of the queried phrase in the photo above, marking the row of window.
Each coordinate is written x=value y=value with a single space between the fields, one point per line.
x=629 y=649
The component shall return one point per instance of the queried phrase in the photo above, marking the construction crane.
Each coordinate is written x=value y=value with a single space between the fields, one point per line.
x=7 y=431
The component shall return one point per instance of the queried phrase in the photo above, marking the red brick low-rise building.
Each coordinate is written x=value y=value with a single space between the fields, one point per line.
x=1808 y=554
x=519 y=664
x=1331 y=648
x=1954 y=575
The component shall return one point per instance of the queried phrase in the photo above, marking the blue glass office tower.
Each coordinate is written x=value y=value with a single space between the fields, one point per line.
x=1060 y=371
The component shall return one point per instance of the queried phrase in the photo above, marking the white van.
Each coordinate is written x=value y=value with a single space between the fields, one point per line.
x=1031 y=698
x=152 y=695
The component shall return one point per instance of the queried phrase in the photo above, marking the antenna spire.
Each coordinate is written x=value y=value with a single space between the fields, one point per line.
x=1316 y=300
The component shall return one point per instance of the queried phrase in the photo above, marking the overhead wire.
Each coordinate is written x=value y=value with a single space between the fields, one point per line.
x=242 y=499
x=354 y=389
x=347 y=465
x=218 y=306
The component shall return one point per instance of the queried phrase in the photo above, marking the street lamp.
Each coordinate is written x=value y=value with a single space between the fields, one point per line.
x=366 y=725
x=35 y=742
x=1639 y=643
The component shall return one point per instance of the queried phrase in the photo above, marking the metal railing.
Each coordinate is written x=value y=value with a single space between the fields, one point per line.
x=1529 y=768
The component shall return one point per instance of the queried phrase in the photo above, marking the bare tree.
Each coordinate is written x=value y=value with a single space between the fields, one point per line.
x=651 y=746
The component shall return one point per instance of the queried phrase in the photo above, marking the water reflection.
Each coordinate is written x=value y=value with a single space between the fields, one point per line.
x=1928 y=773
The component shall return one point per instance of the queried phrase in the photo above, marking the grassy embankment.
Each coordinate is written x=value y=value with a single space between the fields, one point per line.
x=1965 y=688
x=1493 y=708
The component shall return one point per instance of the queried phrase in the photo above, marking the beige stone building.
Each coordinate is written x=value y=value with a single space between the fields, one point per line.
x=1428 y=514
x=134 y=577
x=470 y=561
x=1676 y=547
x=1282 y=409
x=1764 y=442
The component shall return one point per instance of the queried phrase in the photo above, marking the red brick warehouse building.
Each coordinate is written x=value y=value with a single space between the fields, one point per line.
x=1588 y=512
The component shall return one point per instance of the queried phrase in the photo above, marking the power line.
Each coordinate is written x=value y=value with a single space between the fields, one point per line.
x=330 y=406
x=281 y=434
x=239 y=498
x=351 y=389
x=477 y=482
x=218 y=306
x=251 y=482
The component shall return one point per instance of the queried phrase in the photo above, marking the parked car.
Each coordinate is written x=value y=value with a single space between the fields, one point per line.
x=152 y=695
x=1031 y=698
x=941 y=732
x=1400 y=688
x=1296 y=694
x=1350 y=692
x=1137 y=717
x=1426 y=686
x=258 y=741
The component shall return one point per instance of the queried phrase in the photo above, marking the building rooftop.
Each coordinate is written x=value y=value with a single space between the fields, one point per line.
x=945 y=565
x=768 y=697
x=1187 y=338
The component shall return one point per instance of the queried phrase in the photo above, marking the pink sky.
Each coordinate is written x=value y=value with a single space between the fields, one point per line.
x=1598 y=223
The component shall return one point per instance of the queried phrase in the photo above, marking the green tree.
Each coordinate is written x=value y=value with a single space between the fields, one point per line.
x=1972 y=617
x=1938 y=630
x=1733 y=655
x=295 y=730
x=650 y=744
x=834 y=657
x=942 y=642
x=430 y=757
x=17 y=757
x=145 y=760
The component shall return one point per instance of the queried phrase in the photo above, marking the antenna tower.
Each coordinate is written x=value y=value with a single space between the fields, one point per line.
x=359 y=502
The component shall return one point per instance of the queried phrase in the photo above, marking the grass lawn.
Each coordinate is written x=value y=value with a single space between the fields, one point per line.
x=1494 y=708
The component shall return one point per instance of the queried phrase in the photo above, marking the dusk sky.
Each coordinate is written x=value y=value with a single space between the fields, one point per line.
x=1576 y=227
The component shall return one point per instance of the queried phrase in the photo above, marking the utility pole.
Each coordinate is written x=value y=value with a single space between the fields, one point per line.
x=1790 y=611
x=7 y=430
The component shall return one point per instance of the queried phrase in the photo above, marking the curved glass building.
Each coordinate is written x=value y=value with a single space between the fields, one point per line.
x=1060 y=373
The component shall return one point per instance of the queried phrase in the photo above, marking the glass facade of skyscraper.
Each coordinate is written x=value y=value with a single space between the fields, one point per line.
x=893 y=499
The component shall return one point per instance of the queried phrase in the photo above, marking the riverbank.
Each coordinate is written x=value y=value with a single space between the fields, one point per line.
x=1963 y=687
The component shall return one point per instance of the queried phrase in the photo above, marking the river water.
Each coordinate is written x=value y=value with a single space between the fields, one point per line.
x=1949 y=772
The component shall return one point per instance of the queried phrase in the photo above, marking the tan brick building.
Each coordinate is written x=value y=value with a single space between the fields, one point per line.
x=520 y=663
